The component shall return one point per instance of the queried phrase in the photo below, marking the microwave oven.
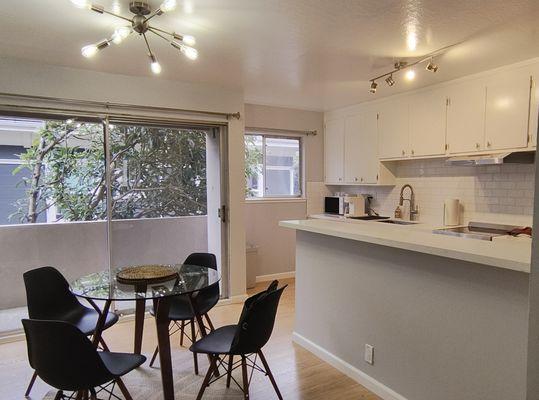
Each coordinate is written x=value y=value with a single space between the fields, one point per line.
x=334 y=205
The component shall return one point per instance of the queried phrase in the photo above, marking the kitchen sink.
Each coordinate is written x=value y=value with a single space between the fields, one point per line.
x=369 y=218
x=397 y=222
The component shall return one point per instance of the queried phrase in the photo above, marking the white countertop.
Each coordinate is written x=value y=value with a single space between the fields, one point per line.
x=513 y=254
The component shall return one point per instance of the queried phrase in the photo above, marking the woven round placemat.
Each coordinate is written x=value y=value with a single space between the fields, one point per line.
x=146 y=274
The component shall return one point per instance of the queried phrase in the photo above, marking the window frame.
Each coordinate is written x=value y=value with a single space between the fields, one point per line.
x=301 y=178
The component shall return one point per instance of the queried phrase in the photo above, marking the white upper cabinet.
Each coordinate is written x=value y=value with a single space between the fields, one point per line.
x=361 y=163
x=334 y=151
x=507 y=107
x=352 y=147
x=466 y=117
x=393 y=128
x=534 y=107
x=427 y=123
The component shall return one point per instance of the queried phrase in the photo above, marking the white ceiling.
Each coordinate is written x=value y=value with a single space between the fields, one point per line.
x=311 y=54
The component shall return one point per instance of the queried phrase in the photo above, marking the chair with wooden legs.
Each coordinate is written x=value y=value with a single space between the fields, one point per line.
x=181 y=314
x=67 y=360
x=48 y=298
x=244 y=340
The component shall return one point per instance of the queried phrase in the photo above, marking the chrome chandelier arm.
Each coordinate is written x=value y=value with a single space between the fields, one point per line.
x=101 y=10
x=150 y=53
x=155 y=32
x=117 y=16
x=153 y=28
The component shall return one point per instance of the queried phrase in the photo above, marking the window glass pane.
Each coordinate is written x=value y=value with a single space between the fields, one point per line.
x=157 y=172
x=282 y=167
x=51 y=171
x=253 y=166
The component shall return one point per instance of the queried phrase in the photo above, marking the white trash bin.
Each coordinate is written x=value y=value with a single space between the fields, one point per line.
x=251 y=256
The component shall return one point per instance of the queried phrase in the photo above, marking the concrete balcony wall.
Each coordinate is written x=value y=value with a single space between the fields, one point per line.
x=79 y=248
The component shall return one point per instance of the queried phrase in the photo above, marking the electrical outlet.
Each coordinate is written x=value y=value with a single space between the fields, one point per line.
x=369 y=354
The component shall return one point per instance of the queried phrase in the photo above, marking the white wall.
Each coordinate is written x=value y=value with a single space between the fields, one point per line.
x=80 y=248
x=497 y=193
x=276 y=245
x=24 y=77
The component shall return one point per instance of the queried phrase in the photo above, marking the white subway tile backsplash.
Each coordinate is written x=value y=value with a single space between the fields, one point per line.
x=502 y=193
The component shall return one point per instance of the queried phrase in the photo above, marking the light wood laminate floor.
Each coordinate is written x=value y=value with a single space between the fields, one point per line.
x=299 y=374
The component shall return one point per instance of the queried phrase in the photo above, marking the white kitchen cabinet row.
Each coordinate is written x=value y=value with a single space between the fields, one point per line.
x=491 y=113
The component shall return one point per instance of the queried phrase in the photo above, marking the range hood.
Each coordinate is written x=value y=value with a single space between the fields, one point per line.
x=521 y=157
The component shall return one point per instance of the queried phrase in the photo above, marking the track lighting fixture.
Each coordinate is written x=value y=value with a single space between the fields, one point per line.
x=431 y=66
x=390 y=81
x=140 y=23
x=410 y=73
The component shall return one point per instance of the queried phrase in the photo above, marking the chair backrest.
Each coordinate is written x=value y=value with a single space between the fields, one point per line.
x=207 y=260
x=63 y=356
x=207 y=297
x=47 y=293
x=256 y=321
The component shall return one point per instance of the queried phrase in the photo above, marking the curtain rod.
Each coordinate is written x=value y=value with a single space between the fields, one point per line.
x=108 y=105
x=284 y=131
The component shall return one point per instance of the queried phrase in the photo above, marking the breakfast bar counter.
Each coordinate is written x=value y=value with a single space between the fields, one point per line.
x=447 y=316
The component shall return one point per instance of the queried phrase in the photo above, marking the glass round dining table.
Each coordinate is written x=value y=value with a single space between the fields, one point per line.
x=186 y=280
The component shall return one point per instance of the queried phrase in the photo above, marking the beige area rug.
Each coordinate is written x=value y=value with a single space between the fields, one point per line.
x=144 y=383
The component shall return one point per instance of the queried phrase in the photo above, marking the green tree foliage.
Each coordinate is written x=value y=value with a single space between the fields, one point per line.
x=155 y=172
x=253 y=161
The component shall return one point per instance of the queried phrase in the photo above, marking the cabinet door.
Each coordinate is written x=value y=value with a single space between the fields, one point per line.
x=353 y=147
x=534 y=107
x=334 y=151
x=466 y=117
x=393 y=128
x=369 y=162
x=508 y=102
x=360 y=148
x=427 y=123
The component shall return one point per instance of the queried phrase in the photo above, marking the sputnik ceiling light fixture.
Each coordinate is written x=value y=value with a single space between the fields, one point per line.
x=409 y=68
x=140 y=23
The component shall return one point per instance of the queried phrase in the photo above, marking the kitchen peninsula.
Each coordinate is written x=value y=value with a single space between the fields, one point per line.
x=447 y=317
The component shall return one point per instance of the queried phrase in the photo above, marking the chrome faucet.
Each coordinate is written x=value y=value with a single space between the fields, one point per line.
x=413 y=207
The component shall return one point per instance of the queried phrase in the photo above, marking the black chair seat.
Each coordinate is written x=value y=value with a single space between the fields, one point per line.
x=218 y=341
x=120 y=364
x=180 y=309
x=86 y=319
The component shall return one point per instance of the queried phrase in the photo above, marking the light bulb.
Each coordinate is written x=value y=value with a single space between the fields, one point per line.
x=120 y=34
x=168 y=5
x=154 y=65
x=81 y=3
x=189 y=52
x=89 y=51
x=410 y=75
x=189 y=40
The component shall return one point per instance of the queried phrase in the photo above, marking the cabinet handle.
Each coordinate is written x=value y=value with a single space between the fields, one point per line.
x=477 y=145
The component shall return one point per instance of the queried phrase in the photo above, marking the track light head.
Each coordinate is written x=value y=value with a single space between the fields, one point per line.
x=374 y=85
x=431 y=66
x=390 y=81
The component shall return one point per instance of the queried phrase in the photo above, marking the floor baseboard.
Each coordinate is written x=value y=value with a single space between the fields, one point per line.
x=356 y=374
x=271 y=277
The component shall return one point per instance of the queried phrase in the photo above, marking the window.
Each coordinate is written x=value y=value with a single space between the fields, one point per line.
x=273 y=166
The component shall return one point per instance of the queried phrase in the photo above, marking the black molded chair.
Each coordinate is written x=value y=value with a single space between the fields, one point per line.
x=48 y=298
x=245 y=339
x=67 y=360
x=181 y=313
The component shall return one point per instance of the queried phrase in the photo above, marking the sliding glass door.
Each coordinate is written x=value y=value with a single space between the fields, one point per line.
x=160 y=200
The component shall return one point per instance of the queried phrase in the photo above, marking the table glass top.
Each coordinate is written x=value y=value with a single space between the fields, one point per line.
x=100 y=286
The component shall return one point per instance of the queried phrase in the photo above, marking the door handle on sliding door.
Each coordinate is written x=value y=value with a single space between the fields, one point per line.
x=221 y=213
